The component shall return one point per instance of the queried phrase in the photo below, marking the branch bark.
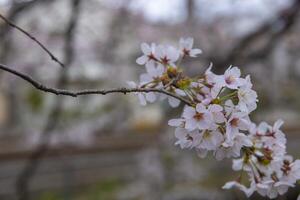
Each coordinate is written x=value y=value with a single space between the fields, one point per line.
x=34 y=39
x=63 y=92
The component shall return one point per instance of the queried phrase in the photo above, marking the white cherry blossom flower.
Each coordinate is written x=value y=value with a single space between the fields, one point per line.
x=290 y=170
x=234 y=149
x=217 y=113
x=294 y=173
x=155 y=71
x=185 y=138
x=143 y=96
x=247 y=191
x=271 y=136
x=262 y=189
x=218 y=120
x=243 y=163
x=238 y=164
x=148 y=54
x=246 y=82
x=247 y=96
x=173 y=102
x=197 y=118
x=236 y=122
x=216 y=81
x=176 y=122
x=210 y=77
x=229 y=108
x=232 y=78
x=210 y=140
x=247 y=100
x=271 y=188
x=153 y=74
x=167 y=55
x=206 y=95
x=186 y=47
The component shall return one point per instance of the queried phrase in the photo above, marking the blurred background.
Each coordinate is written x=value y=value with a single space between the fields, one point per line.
x=109 y=147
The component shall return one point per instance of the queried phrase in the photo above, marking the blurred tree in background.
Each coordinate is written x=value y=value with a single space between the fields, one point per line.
x=108 y=147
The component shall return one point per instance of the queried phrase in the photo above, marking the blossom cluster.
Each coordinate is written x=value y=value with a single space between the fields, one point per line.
x=216 y=119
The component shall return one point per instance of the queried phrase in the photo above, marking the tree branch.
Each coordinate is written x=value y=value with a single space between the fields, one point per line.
x=63 y=92
x=17 y=8
x=11 y=24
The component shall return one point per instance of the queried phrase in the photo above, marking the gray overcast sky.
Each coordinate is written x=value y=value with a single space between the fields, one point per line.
x=172 y=10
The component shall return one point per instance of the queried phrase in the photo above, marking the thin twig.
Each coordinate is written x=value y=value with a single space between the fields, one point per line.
x=11 y=24
x=63 y=92
x=41 y=87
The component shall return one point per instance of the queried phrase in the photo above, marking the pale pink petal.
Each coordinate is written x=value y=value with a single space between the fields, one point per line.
x=278 y=124
x=142 y=60
x=145 y=78
x=180 y=92
x=195 y=52
x=131 y=84
x=175 y=122
x=188 y=112
x=142 y=99
x=151 y=97
x=173 y=102
x=191 y=125
x=215 y=108
x=200 y=108
x=150 y=67
x=145 y=48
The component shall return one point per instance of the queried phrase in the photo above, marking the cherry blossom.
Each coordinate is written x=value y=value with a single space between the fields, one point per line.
x=173 y=102
x=186 y=139
x=167 y=55
x=232 y=78
x=233 y=149
x=237 y=121
x=247 y=97
x=216 y=119
x=247 y=191
x=272 y=189
x=186 y=47
x=197 y=118
x=148 y=54
x=143 y=97
x=210 y=140
x=217 y=113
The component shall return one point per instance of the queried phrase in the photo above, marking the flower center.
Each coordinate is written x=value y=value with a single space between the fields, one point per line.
x=206 y=134
x=151 y=57
x=186 y=52
x=198 y=116
x=165 y=60
x=188 y=137
x=234 y=122
x=229 y=79
x=270 y=134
